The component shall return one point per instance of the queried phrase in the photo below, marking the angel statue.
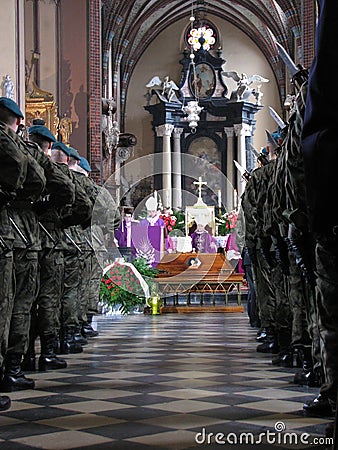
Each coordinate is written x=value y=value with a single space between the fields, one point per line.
x=165 y=90
x=244 y=82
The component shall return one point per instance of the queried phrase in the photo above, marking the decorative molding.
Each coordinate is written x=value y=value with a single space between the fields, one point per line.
x=242 y=129
x=229 y=131
x=164 y=130
x=177 y=133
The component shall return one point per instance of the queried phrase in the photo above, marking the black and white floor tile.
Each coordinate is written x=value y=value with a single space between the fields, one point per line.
x=167 y=382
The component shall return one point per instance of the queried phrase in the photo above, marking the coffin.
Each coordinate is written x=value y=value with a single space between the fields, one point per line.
x=202 y=273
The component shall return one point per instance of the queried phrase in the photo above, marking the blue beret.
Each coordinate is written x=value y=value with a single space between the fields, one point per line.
x=42 y=131
x=74 y=153
x=12 y=106
x=61 y=146
x=85 y=164
x=276 y=135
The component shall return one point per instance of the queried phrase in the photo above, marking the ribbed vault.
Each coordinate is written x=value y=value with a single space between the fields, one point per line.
x=130 y=25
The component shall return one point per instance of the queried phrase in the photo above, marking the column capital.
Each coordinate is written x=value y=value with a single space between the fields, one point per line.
x=229 y=131
x=177 y=132
x=164 y=130
x=243 y=129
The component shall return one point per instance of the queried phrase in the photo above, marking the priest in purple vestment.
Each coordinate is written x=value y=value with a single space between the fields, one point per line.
x=202 y=241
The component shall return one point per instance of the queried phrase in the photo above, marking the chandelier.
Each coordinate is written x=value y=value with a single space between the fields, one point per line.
x=201 y=37
x=192 y=109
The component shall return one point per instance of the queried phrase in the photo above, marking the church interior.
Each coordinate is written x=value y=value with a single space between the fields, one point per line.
x=199 y=282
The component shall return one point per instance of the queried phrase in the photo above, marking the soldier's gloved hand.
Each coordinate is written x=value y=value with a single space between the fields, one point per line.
x=280 y=259
x=5 y=197
x=264 y=250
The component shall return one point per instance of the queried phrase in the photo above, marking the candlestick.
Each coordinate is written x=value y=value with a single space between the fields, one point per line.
x=219 y=196
x=235 y=198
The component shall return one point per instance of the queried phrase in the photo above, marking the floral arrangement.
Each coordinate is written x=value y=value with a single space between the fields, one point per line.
x=121 y=287
x=226 y=222
x=173 y=220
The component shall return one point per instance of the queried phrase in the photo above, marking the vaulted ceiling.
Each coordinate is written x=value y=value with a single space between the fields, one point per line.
x=130 y=25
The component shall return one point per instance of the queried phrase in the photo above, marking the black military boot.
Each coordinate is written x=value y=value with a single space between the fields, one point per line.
x=270 y=343
x=87 y=329
x=308 y=376
x=261 y=335
x=48 y=359
x=14 y=379
x=283 y=359
x=68 y=344
x=79 y=338
x=28 y=363
x=318 y=407
x=285 y=356
x=57 y=344
x=5 y=402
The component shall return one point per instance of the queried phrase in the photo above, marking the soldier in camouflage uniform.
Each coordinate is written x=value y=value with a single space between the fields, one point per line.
x=105 y=218
x=60 y=195
x=264 y=291
x=290 y=211
x=80 y=214
x=279 y=279
x=26 y=246
x=12 y=175
x=319 y=147
x=84 y=260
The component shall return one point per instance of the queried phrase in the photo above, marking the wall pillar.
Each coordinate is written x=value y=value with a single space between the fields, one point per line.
x=229 y=131
x=177 y=169
x=242 y=130
x=165 y=132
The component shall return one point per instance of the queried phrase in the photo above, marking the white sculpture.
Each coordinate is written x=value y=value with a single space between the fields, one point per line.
x=244 y=82
x=8 y=87
x=164 y=89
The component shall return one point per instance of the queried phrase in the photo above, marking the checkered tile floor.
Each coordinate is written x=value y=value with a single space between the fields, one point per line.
x=154 y=382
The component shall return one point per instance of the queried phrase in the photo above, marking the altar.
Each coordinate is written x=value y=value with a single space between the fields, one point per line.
x=206 y=280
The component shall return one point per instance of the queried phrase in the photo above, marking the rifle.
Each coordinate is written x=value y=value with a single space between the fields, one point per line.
x=245 y=174
x=47 y=233
x=296 y=242
x=92 y=249
x=4 y=247
x=97 y=239
x=26 y=241
x=71 y=240
x=298 y=73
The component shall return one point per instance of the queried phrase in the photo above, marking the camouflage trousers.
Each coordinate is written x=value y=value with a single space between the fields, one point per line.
x=6 y=302
x=51 y=286
x=283 y=313
x=26 y=270
x=265 y=295
x=84 y=287
x=94 y=287
x=327 y=308
x=71 y=284
x=298 y=295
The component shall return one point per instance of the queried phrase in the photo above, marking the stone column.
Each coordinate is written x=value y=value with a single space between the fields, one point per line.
x=229 y=131
x=165 y=131
x=241 y=130
x=177 y=169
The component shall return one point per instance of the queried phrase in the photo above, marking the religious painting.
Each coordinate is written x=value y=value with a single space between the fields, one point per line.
x=205 y=148
x=202 y=81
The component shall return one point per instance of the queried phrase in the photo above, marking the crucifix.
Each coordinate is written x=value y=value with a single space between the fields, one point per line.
x=200 y=183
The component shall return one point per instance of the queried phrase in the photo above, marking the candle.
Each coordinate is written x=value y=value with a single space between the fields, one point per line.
x=235 y=198
x=219 y=195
